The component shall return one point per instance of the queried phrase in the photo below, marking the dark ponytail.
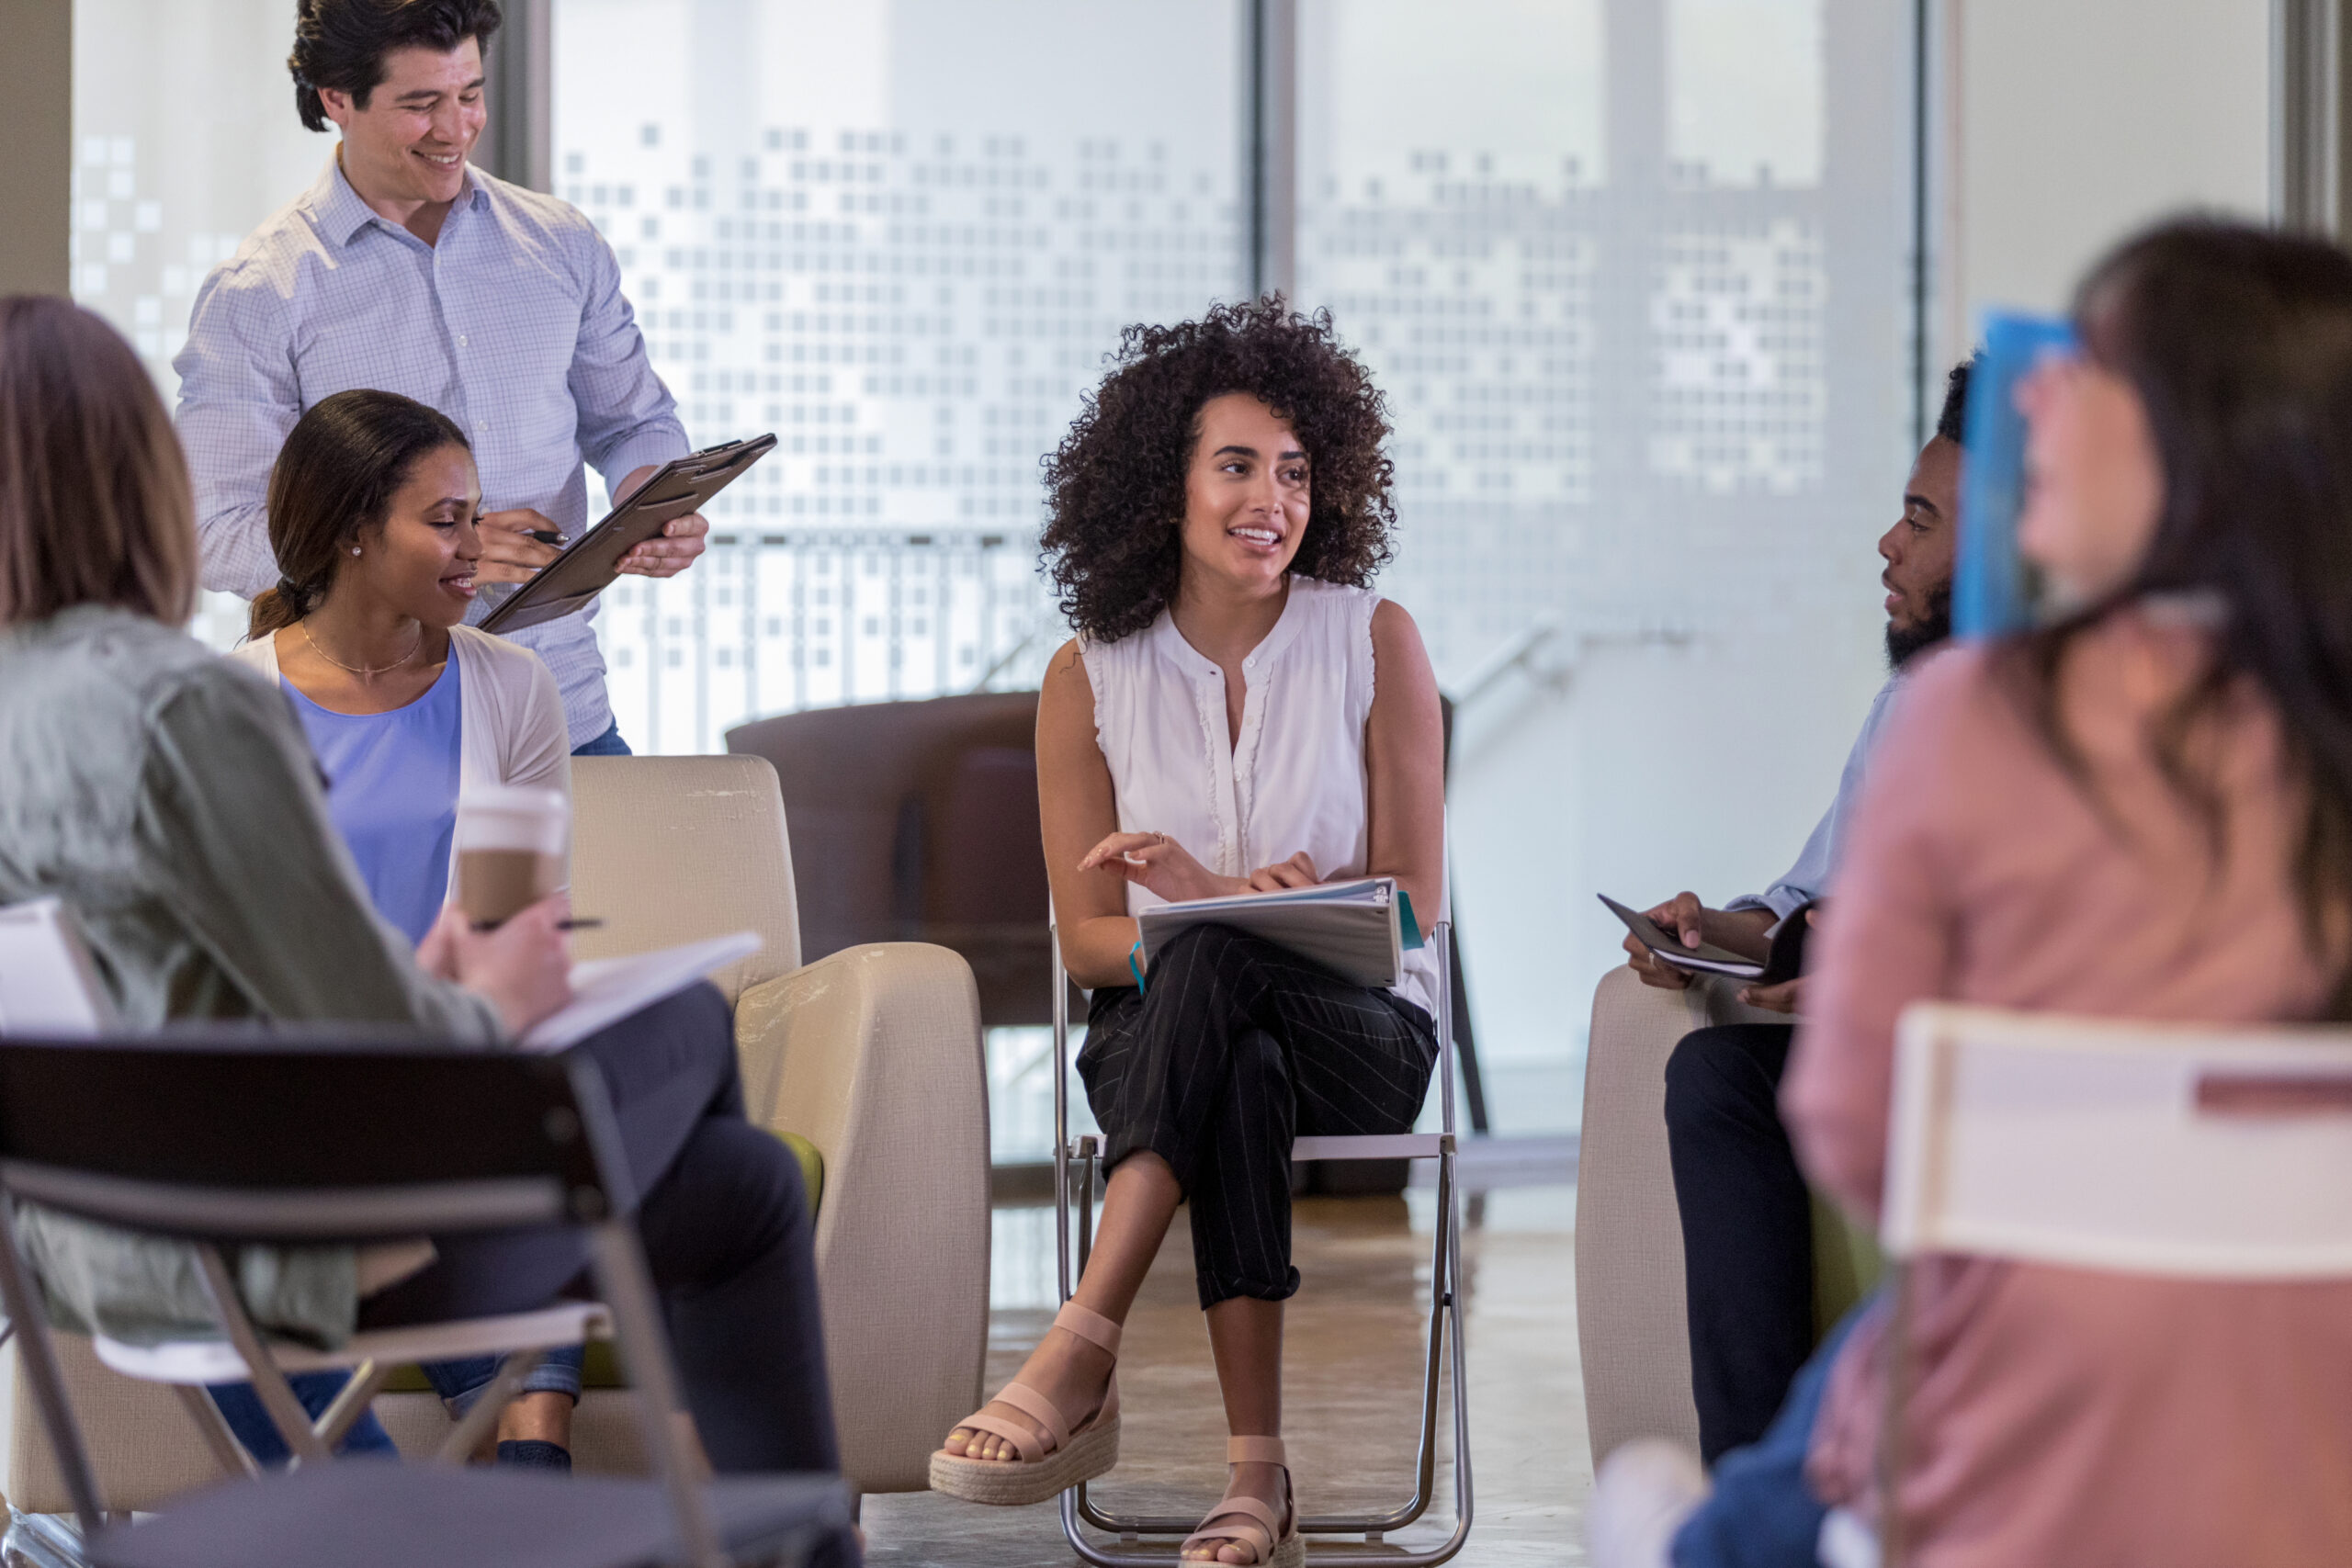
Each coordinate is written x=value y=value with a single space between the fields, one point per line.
x=335 y=479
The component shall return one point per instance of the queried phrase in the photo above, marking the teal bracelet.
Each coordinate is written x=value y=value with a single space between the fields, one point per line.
x=1134 y=967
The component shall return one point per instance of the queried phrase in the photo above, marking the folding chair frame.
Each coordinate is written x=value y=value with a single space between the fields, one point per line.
x=1074 y=1169
x=624 y=1283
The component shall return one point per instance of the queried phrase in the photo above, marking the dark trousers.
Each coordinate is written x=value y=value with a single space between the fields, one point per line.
x=1235 y=1048
x=1747 y=1228
x=725 y=1223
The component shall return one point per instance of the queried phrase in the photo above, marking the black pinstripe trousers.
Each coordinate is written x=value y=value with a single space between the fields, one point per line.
x=1235 y=1048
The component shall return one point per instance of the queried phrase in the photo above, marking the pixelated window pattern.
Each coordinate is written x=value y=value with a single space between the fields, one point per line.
x=916 y=317
x=1737 y=393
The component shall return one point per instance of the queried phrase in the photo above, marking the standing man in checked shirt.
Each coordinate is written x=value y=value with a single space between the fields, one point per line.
x=405 y=270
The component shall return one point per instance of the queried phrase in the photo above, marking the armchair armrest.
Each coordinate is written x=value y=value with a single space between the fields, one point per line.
x=873 y=1055
x=1632 y=1319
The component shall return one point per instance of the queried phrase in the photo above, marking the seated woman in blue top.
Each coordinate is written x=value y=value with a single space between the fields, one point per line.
x=371 y=516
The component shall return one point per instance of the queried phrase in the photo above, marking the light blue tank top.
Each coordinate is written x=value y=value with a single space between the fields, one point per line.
x=392 y=792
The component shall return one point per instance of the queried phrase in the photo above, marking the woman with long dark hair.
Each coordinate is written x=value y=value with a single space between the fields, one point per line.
x=2143 y=811
x=171 y=799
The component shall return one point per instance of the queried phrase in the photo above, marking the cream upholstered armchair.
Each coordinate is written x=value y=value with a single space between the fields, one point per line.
x=870 y=1057
x=1633 y=1330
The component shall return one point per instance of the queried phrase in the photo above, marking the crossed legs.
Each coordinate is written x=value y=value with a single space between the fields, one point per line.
x=725 y=1223
x=1201 y=1085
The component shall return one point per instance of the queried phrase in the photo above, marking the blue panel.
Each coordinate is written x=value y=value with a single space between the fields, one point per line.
x=1992 y=593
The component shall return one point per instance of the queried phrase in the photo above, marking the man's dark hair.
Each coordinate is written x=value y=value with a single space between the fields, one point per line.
x=1953 y=423
x=341 y=44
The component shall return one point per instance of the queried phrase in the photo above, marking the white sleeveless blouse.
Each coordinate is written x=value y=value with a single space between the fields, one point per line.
x=1295 y=778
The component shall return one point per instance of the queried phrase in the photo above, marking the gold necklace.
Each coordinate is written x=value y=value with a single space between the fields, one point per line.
x=365 y=675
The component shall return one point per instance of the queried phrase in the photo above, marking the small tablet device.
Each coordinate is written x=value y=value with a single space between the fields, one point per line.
x=1785 y=960
x=680 y=486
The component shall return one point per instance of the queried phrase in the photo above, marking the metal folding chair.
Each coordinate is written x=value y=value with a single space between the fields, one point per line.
x=211 y=1139
x=49 y=988
x=2203 y=1152
x=1074 y=1163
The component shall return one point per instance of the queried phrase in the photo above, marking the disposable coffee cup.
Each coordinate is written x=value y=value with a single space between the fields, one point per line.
x=510 y=850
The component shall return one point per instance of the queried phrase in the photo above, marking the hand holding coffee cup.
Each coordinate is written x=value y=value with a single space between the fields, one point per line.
x=511 y=851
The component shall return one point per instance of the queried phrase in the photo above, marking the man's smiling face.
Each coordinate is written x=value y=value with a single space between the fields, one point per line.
x=408 y=145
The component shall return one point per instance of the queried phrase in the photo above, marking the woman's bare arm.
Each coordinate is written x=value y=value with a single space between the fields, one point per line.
x=1078 y=811
x=1403 y=746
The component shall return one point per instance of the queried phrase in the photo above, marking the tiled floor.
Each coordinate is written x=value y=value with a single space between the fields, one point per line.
x=1355 y=1339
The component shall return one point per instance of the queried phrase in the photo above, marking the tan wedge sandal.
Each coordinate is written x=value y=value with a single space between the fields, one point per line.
x=1063 y=1460
x=1245 y=1521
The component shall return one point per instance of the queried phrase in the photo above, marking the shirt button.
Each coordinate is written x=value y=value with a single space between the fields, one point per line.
x=461 y=339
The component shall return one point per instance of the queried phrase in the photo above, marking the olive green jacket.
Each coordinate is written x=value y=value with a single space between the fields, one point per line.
x=169 y=796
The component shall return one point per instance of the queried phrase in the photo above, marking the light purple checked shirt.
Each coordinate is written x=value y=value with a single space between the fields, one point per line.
x=1817 y=862
x=513 y=325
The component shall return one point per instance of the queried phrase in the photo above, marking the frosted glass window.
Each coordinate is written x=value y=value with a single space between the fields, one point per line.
x=1746 y=91
x=1517 y=80
x=902 y=238
x=1643 y=354
x=185 y=139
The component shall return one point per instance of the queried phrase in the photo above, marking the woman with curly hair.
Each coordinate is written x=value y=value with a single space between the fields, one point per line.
x=1238 y=711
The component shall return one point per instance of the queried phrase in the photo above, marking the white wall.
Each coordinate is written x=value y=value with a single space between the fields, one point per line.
x=2064 y=127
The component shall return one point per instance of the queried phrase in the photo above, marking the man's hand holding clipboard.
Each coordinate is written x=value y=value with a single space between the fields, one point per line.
x=656 y=530
x=676 y=547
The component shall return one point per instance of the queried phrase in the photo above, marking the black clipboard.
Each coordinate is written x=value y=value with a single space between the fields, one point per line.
x=680 y=486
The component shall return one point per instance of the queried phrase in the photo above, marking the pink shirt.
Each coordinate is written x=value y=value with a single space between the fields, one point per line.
x=2069 y=1416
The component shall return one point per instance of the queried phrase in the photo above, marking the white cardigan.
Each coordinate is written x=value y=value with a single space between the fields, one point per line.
x=511 y=728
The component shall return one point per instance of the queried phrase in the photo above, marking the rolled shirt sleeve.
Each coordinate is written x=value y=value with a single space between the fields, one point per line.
x=239 y=397
x=628 y=417
x=1808 y=880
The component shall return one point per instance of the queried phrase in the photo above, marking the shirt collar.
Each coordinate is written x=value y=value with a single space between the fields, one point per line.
x=340 y=213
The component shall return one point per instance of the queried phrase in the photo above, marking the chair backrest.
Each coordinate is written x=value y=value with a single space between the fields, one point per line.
x=48 y=983
x=243 y=1136
x=666 y=850
x=918 y=821
x=247 y=1137
x=2205 y=1151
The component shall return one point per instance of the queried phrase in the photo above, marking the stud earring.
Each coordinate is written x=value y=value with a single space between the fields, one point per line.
x=355 y=549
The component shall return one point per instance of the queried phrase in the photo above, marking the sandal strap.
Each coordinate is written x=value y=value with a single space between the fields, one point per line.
x=1036 y=1406
x=1256 y=1450
x=1090 y=1325
x=1022 y=1438
x=1252 y=1523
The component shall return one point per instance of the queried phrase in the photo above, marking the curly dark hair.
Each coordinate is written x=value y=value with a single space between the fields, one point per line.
x=1113 y=543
